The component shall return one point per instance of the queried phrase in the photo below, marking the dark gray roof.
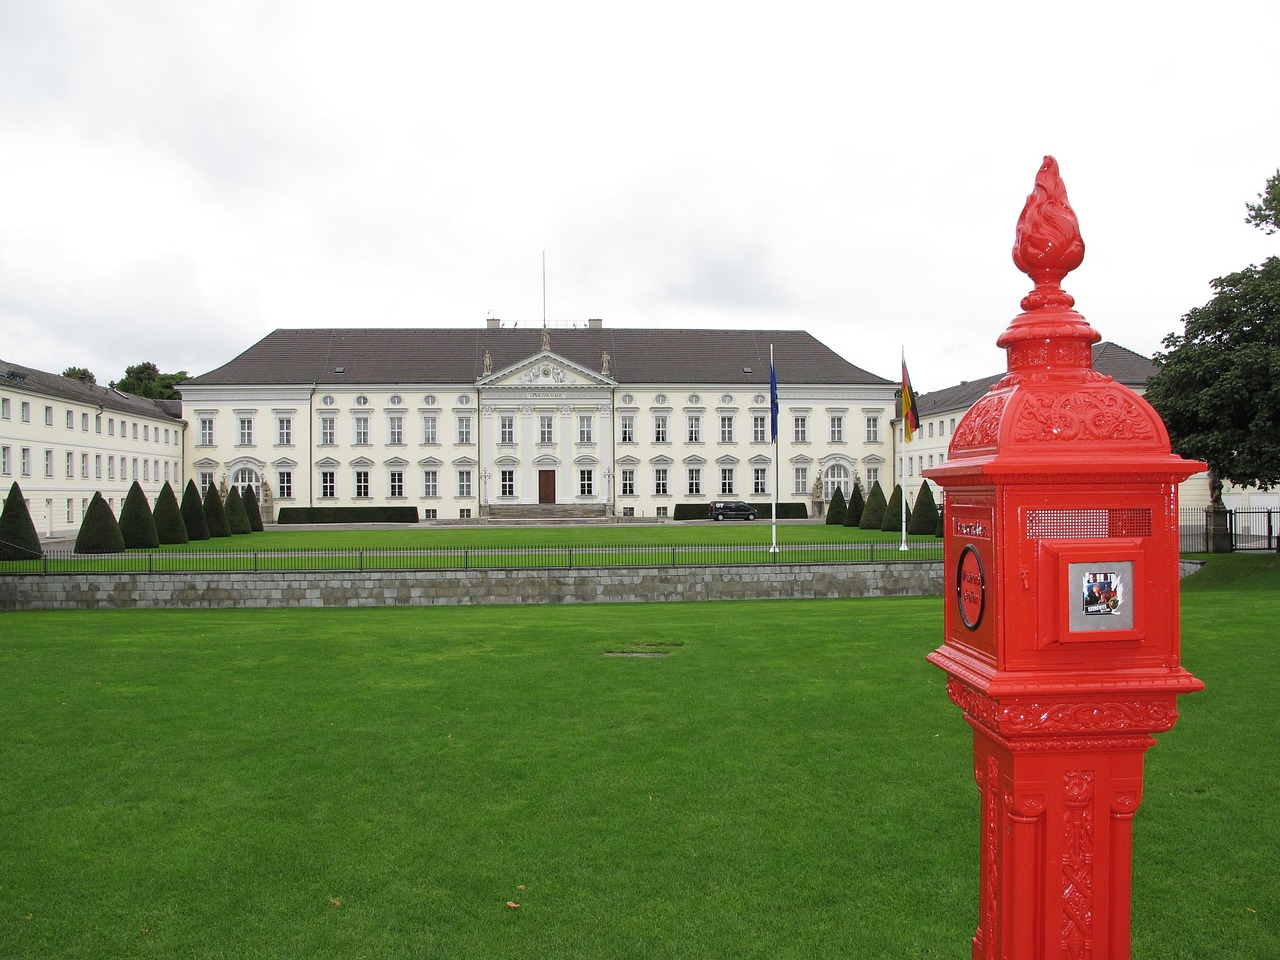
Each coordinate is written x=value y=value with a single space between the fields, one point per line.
x=1120 y=363
x=456 y=355
x=81 y=391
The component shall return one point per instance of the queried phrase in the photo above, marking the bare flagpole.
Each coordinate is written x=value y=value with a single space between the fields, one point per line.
x=902 y=455
x=773 y=426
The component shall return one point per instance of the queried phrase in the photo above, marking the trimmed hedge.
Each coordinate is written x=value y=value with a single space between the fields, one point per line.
x=137 y=526
x=215 y=513
x=853 y=514
x=251 y=508
x=18 y=537
x=99 y=532
x=838 y=509
x=237 y=517
x=170 y=527
x=348 y=515
x=873 y=512
x=924 y=518
x=893 y=511
x=193 y=517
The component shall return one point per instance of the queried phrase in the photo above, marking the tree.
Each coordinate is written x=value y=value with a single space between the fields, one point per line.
x=215 y=514
x=893 y=512
x=853 y=515
x=193 y=517
x=146 y=380
x=1218 y=388
x=18 y=537
x=837 y=509
x=170 y=527
x=80 y=373
x=873 y=512
x=137 y=526
x=99 y=532
x=251 y=508
x=237 y=518
x=924 y=518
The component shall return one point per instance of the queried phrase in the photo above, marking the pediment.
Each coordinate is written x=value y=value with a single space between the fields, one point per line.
x=545 y=370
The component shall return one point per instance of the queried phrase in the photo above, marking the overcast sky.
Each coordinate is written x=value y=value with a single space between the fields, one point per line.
x=178 y=179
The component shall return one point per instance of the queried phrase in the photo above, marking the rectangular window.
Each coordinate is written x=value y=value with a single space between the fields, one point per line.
x=97 y=425
x=627 y=428
x=284 y=431
x=48 y=463
x=206 y=479
x=135 y=428
x=506 y=429
x=695 y=428
x=246 y=431
x=362 y=483
x=873 y=475
x=26 y=461
x=873 y=429
x=328 y=484
x=206 y=431
x=464 y=428
x=659 y=428
x=361 y=436
x=464 y=483
x=327 y=431
x=584 y=429
x=48 y=416
x=726 y=429
x=760 y=480
x=585 y=483
x=759 y=428
x=507 y=483
x=395 y=429
x=931 y=428
x=931 y=461
x=111 y=428
x=98 y=467
x=660 y=511
x=430 y=483
x=5 y=467
x=4 y=408
x=146 y=431
x=660 y=481
x=284 y=484
x=628 y=482
x=146 y=470
x=545 y=434
x=726 y=480
x=695 y=481
x=166 y=436
x=801 y=482
x=395 y=483
x=111 y=467
x=953 y=424
x=911 y=466
x=71 y=510
x=837 y=428
x=429 y=429
x=801 y=433
x=71 y=465
x=429 y=513
x=464 y=513
x=26 y=414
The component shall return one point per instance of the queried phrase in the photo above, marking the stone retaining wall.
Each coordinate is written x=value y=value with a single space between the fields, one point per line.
x=140 y=591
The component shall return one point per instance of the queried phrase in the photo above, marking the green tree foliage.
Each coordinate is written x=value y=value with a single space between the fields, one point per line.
x=18 y=537
x=215 y=514
x=146 y=380
x=251 y=508
x=237 y=517
x=924 y=516
x=1218 y=388
x=80 y=373
x=893 y=512
x=99 y=532
x=837 y=508
x=873 y=513
x=193 y=517
x=853 y=516
x=137 y=526
x=170 y=527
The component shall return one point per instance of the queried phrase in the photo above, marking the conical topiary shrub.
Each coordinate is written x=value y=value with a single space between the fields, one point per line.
x=836 y=511
x=18 y=537
x=170 y=527
x=853 y=515
x=99 y=532
x=215 y=514
x=873 y=512
x=193 y=517
x=251 y=508
x=893 y=511
x=137 y=526
x=924 y=516
x=237 y=519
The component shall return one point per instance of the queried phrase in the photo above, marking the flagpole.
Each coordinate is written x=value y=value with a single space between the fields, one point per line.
x=902 y=454
x=773 y=426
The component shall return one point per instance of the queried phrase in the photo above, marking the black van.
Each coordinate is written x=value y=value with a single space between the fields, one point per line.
x=731 y=510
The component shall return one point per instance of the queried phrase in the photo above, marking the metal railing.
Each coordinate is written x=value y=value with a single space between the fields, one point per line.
x=1249 y=530
x=560 y=557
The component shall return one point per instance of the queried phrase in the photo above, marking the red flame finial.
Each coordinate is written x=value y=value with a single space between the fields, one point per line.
x=1048 y=244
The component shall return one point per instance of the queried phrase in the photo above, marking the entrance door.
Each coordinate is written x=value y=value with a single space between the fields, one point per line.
x=546 y=486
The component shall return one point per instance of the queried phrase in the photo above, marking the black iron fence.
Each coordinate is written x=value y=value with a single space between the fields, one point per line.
x=467 y=558
x=1248 y=529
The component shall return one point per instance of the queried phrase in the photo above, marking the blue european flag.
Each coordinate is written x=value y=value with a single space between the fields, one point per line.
x=773 y=398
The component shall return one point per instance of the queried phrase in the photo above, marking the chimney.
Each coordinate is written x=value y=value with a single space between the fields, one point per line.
x=492 y=323
x=595 y=324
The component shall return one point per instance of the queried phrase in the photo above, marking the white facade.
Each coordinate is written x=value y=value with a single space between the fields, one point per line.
x=64 y=440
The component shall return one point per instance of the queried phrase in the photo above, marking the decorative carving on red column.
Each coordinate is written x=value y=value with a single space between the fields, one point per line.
x=1077 y=866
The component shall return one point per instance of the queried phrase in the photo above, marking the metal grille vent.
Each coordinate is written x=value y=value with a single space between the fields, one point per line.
x=1088 y=524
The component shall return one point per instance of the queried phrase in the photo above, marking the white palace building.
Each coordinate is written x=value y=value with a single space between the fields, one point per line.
x=506 y=421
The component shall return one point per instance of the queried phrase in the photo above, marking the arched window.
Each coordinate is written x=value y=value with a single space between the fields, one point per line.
x=247 y=477
x=836 y=475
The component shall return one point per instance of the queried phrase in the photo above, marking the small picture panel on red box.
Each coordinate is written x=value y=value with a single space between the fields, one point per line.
x=1105 y=596
x=1095 y=591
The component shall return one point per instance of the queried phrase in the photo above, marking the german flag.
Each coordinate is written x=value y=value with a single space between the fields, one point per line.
x=910 y=418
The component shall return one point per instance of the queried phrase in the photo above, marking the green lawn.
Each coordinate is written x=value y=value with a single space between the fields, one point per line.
x=790 y=780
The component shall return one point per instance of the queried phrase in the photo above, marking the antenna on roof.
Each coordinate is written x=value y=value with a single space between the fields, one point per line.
x=544 y=289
